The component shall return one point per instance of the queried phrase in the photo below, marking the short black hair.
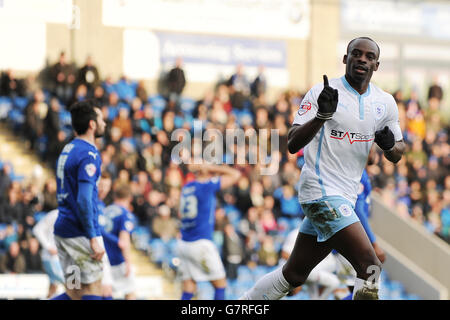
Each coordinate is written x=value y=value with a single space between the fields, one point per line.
x=364 y=38
x=82 y=112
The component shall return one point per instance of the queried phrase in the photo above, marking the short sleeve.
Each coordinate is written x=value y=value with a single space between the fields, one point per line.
x=88 y=170
x=214 y=184
x=307 y=110
x=391 y=119
x=127 y=223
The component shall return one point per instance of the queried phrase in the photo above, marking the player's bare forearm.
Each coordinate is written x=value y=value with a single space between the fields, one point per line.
x=300 y=136
x=125 y=245
x=229 y=175
x=395 y=154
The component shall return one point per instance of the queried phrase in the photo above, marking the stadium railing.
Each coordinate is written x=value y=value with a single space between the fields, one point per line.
x=427 y=252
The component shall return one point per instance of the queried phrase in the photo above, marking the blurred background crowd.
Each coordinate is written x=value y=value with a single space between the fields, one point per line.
x=252 y=218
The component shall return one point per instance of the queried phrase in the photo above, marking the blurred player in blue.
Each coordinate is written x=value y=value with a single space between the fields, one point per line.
x=362 y=209
x=118 y=224
x=104 y=188
x=199 y=257
x=77 y=231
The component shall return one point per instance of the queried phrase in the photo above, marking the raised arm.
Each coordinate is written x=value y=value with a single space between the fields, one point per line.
x=300 y=135
x=228 y=175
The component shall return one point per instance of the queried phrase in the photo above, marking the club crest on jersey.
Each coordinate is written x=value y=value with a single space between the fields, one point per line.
x=345 y=210
x=129 y=226
x=304 y=108
x=90 y=169
x=379 y=111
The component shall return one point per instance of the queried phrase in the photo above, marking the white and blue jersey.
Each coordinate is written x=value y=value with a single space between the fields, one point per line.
x=197 y=209
x=79 y=162
x=114 y=220
x=335 y=158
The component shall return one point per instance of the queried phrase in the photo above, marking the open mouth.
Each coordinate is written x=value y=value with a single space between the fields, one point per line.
x=360 y=69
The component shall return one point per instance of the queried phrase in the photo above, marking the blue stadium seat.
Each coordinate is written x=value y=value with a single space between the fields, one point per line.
x=20 y=103
x=141 y=238
x=39 y=215
x=42 y=145
x=172 y=246
x=124 y=105
x=259 y=271
x=244 y=274
x=245 y=118
x=64 y=117
x=158 y=104
x=178 y=122
x=205 y=291
x=5 y=106
x=125 y=90
x=284 y=223
x=396 y=290
x=157 y=250
x=233 y=214
x=294 y=223
x=17 y=118
x=187 y=105
x=112 y=113
x=412 y=297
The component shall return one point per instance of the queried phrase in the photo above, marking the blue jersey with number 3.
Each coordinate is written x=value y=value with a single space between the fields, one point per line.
x=79 y=161
x=197 y=209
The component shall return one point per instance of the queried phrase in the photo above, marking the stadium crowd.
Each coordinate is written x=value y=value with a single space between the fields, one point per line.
x=252 y=218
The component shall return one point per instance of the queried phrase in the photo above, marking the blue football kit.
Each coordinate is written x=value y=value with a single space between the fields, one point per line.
x=197 y=209
x=78 y=170
x=113 y=220
x=362 y=206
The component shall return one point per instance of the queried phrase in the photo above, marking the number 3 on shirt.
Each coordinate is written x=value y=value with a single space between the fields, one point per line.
x=188 y=207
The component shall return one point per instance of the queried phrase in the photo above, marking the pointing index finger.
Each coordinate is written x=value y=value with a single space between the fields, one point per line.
x=325 y=80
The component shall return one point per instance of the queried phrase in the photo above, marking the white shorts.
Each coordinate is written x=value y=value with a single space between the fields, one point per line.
x=76 y=262
x=199 y=261
x=122 y=283
x=107 y=279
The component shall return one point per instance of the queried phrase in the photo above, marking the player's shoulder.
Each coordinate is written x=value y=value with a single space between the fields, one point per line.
x=129 y=215
x=113 y=210
x=88 y=152
x=214 y=180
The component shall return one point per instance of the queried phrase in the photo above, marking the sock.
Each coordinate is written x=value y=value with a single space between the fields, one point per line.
x=348 y=297
x=272 y=286
x=364 y=290
x=62 y=296
x=219 y=294
x=187 y=295
x=91 y=297
x=107 y=298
